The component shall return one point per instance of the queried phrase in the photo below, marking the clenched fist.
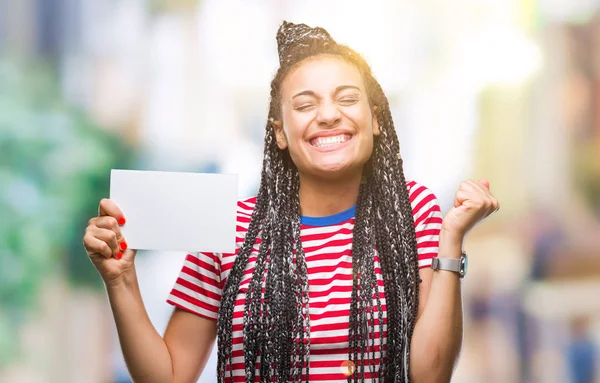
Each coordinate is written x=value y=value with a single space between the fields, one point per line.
x=105 y=244
x=473 y=203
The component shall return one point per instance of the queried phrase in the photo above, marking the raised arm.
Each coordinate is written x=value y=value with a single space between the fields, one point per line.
x=438 y=333
x=178 y=357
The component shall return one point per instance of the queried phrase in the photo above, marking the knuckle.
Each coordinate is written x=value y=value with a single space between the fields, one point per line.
x=95 y=250
x=104 y=248
x=97 y=247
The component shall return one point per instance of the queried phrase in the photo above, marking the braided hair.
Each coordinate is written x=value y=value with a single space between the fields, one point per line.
x=276 y=326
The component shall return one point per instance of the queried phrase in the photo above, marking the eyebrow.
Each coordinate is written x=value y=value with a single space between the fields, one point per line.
x=337 y=90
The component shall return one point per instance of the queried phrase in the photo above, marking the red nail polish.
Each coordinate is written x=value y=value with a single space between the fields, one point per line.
x=119 y=255
x=121 y=221
x=123 y=245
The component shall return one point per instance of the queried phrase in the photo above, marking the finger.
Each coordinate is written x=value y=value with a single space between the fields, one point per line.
x=488 y=198
x=460 y=197
x=95 y=246
x=108 y=236
x=479 y=187
x=109 y=223
x=474 y=195
x=495 y=204
x=488 y=201
x=490 y=205
x=108 y=207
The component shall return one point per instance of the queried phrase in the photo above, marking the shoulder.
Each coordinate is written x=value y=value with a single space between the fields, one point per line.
x=419 y=193
x=422 y=199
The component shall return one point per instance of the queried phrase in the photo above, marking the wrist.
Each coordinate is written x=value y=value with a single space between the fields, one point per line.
x=451 y=244
x=126 y=281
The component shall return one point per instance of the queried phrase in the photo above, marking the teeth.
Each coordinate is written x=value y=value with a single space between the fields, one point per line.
x=327 y=141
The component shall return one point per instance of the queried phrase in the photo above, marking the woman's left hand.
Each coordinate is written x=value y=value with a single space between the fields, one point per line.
x=473 y=203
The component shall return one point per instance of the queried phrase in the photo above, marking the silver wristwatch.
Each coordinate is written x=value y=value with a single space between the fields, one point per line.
x=451 y=264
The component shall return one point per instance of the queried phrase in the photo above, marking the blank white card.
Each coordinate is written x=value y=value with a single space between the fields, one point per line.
x=176 y=211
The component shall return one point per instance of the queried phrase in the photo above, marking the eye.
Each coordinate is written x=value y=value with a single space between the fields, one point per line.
x=304 y=107
x=348 y=100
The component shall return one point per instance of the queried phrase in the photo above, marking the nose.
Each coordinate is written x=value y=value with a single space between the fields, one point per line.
x=328 y=114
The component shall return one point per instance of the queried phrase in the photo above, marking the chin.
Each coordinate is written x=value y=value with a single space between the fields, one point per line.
x=335 y=170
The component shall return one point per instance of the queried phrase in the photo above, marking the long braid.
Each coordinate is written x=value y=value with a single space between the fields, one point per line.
x=389 y=145
x=373 y=299
x=301 y=333
x=395 y=212
x=302 y=336
x=276 y=324
x=225 y=318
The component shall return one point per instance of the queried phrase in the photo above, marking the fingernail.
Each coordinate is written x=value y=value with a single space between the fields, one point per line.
x=123 y=245
x=121 y=221
x=119 y=255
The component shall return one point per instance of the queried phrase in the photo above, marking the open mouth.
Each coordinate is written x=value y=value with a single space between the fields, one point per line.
x=323 y=142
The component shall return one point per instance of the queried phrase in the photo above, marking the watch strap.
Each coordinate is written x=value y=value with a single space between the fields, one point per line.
x=449 y=264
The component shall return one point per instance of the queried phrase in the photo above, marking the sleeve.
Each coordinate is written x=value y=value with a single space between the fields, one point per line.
x=198 y=287
x=428 y=222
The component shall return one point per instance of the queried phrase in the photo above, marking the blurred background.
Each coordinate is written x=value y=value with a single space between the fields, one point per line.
x=507 y=90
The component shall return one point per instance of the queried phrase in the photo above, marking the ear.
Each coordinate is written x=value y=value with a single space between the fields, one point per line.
x=279 y=134
x=376 y=131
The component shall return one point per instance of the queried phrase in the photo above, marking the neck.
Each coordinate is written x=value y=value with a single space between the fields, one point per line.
x=322 y=197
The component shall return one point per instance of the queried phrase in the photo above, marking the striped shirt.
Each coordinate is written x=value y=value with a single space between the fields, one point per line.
x=327 y=243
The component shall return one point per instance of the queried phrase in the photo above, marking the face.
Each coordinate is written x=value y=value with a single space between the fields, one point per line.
x=326 y=121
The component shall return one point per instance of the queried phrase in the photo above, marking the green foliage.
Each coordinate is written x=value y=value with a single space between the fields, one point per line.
x=54 y=168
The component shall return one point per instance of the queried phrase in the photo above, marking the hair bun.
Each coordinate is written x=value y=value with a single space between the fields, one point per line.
x=298 y=36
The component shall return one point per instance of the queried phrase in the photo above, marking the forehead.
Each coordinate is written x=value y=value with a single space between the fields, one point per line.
x=321 y=74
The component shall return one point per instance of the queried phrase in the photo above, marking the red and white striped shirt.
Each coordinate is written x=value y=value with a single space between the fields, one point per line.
x=327 y=243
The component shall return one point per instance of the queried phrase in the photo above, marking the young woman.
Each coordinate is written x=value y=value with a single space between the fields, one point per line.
x=332 y=278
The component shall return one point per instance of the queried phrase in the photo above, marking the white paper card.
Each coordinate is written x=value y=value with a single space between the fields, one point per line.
x=176 y=211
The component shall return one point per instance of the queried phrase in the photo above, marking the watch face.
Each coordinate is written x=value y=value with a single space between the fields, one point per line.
x=464 y=264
